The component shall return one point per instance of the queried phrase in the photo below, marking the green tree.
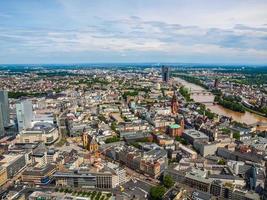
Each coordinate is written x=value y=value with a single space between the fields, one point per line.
x=236 y=135
x=168 y=181
x=113 y=126
x=221 y=162
x=157 y=192
x=93 y=194
x=113 y=139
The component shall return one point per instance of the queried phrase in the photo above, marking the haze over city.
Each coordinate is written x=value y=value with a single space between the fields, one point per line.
x=65 y=31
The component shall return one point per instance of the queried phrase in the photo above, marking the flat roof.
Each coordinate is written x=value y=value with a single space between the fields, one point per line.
x=9 y=158
x=195 y=133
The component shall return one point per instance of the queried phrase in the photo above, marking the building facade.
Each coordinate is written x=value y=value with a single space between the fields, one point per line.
x=4 y=107
x=3 y=176
x=24 y=114
x=165 y=73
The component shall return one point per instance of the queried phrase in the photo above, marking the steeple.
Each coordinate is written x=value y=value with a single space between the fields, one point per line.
x=174 y=103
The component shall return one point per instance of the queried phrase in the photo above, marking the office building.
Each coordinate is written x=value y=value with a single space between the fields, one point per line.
x=165 y=73
x=39 y=175
x=192 y=136
x=24 y=114
x=4 y=107
x=197 y=179
x=13 y=163
x=216 y=83
x=83 y=179
x=2 y=129
x=3 y=176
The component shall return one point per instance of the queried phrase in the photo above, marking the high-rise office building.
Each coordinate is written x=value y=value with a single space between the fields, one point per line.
x=216 y=83
x=2 y=130
x=165 y=73
x=24 y=114
x=4 y=107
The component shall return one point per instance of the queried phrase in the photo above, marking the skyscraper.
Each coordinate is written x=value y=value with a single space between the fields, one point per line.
x=24 y=114
x=252 y=177
x=4 y=107
x=216 y=83
x=165 y=73
x=2 y=130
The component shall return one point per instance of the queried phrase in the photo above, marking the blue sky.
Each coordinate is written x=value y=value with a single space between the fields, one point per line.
x=80 y=31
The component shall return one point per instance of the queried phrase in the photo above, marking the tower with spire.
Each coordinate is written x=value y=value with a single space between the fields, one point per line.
x=174 y=104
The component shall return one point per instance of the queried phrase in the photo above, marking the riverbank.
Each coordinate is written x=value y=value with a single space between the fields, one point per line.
x=203 y=110
x=230 y=102
x=254 y=111
x=247 y=117
x=228 y=105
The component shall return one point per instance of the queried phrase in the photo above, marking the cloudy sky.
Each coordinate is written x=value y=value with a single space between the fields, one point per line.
x=79 y=31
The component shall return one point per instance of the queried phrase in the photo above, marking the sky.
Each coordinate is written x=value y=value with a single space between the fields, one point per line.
x=91 y=31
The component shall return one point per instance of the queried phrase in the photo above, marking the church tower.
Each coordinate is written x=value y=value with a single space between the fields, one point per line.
x=174 y=104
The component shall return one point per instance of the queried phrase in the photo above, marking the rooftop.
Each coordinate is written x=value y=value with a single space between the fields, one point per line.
x=175 y=126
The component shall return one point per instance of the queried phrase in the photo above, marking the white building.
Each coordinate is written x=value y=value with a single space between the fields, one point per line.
x=24 y=114
x=40 y=132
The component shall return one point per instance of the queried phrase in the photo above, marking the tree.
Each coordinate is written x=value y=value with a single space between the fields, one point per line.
x=113 y=126
x=157 y=192
x=93 y=194
x=221 y=162
x=113 y=139
x=236 y=135
x=168 y=181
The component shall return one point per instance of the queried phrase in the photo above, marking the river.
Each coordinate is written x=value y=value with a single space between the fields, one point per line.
x=247 y=117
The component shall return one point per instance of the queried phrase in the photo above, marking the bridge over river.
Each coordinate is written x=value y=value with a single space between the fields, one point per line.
x=200 y=92
x=201 y=95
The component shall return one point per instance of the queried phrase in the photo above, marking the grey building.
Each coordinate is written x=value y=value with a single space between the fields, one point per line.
x=24 y=114
x=165 y=73
x=2 y=130
x=205 y=148
x=199 y=195
x=13 y=163
x=83 y=179
x=192 y=135
x=4 y=104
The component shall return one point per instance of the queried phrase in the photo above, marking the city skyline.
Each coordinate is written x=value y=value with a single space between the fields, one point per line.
x=124 y=31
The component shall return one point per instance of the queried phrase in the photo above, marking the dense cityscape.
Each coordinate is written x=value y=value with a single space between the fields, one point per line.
x=133 y=100
x=132 y=132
